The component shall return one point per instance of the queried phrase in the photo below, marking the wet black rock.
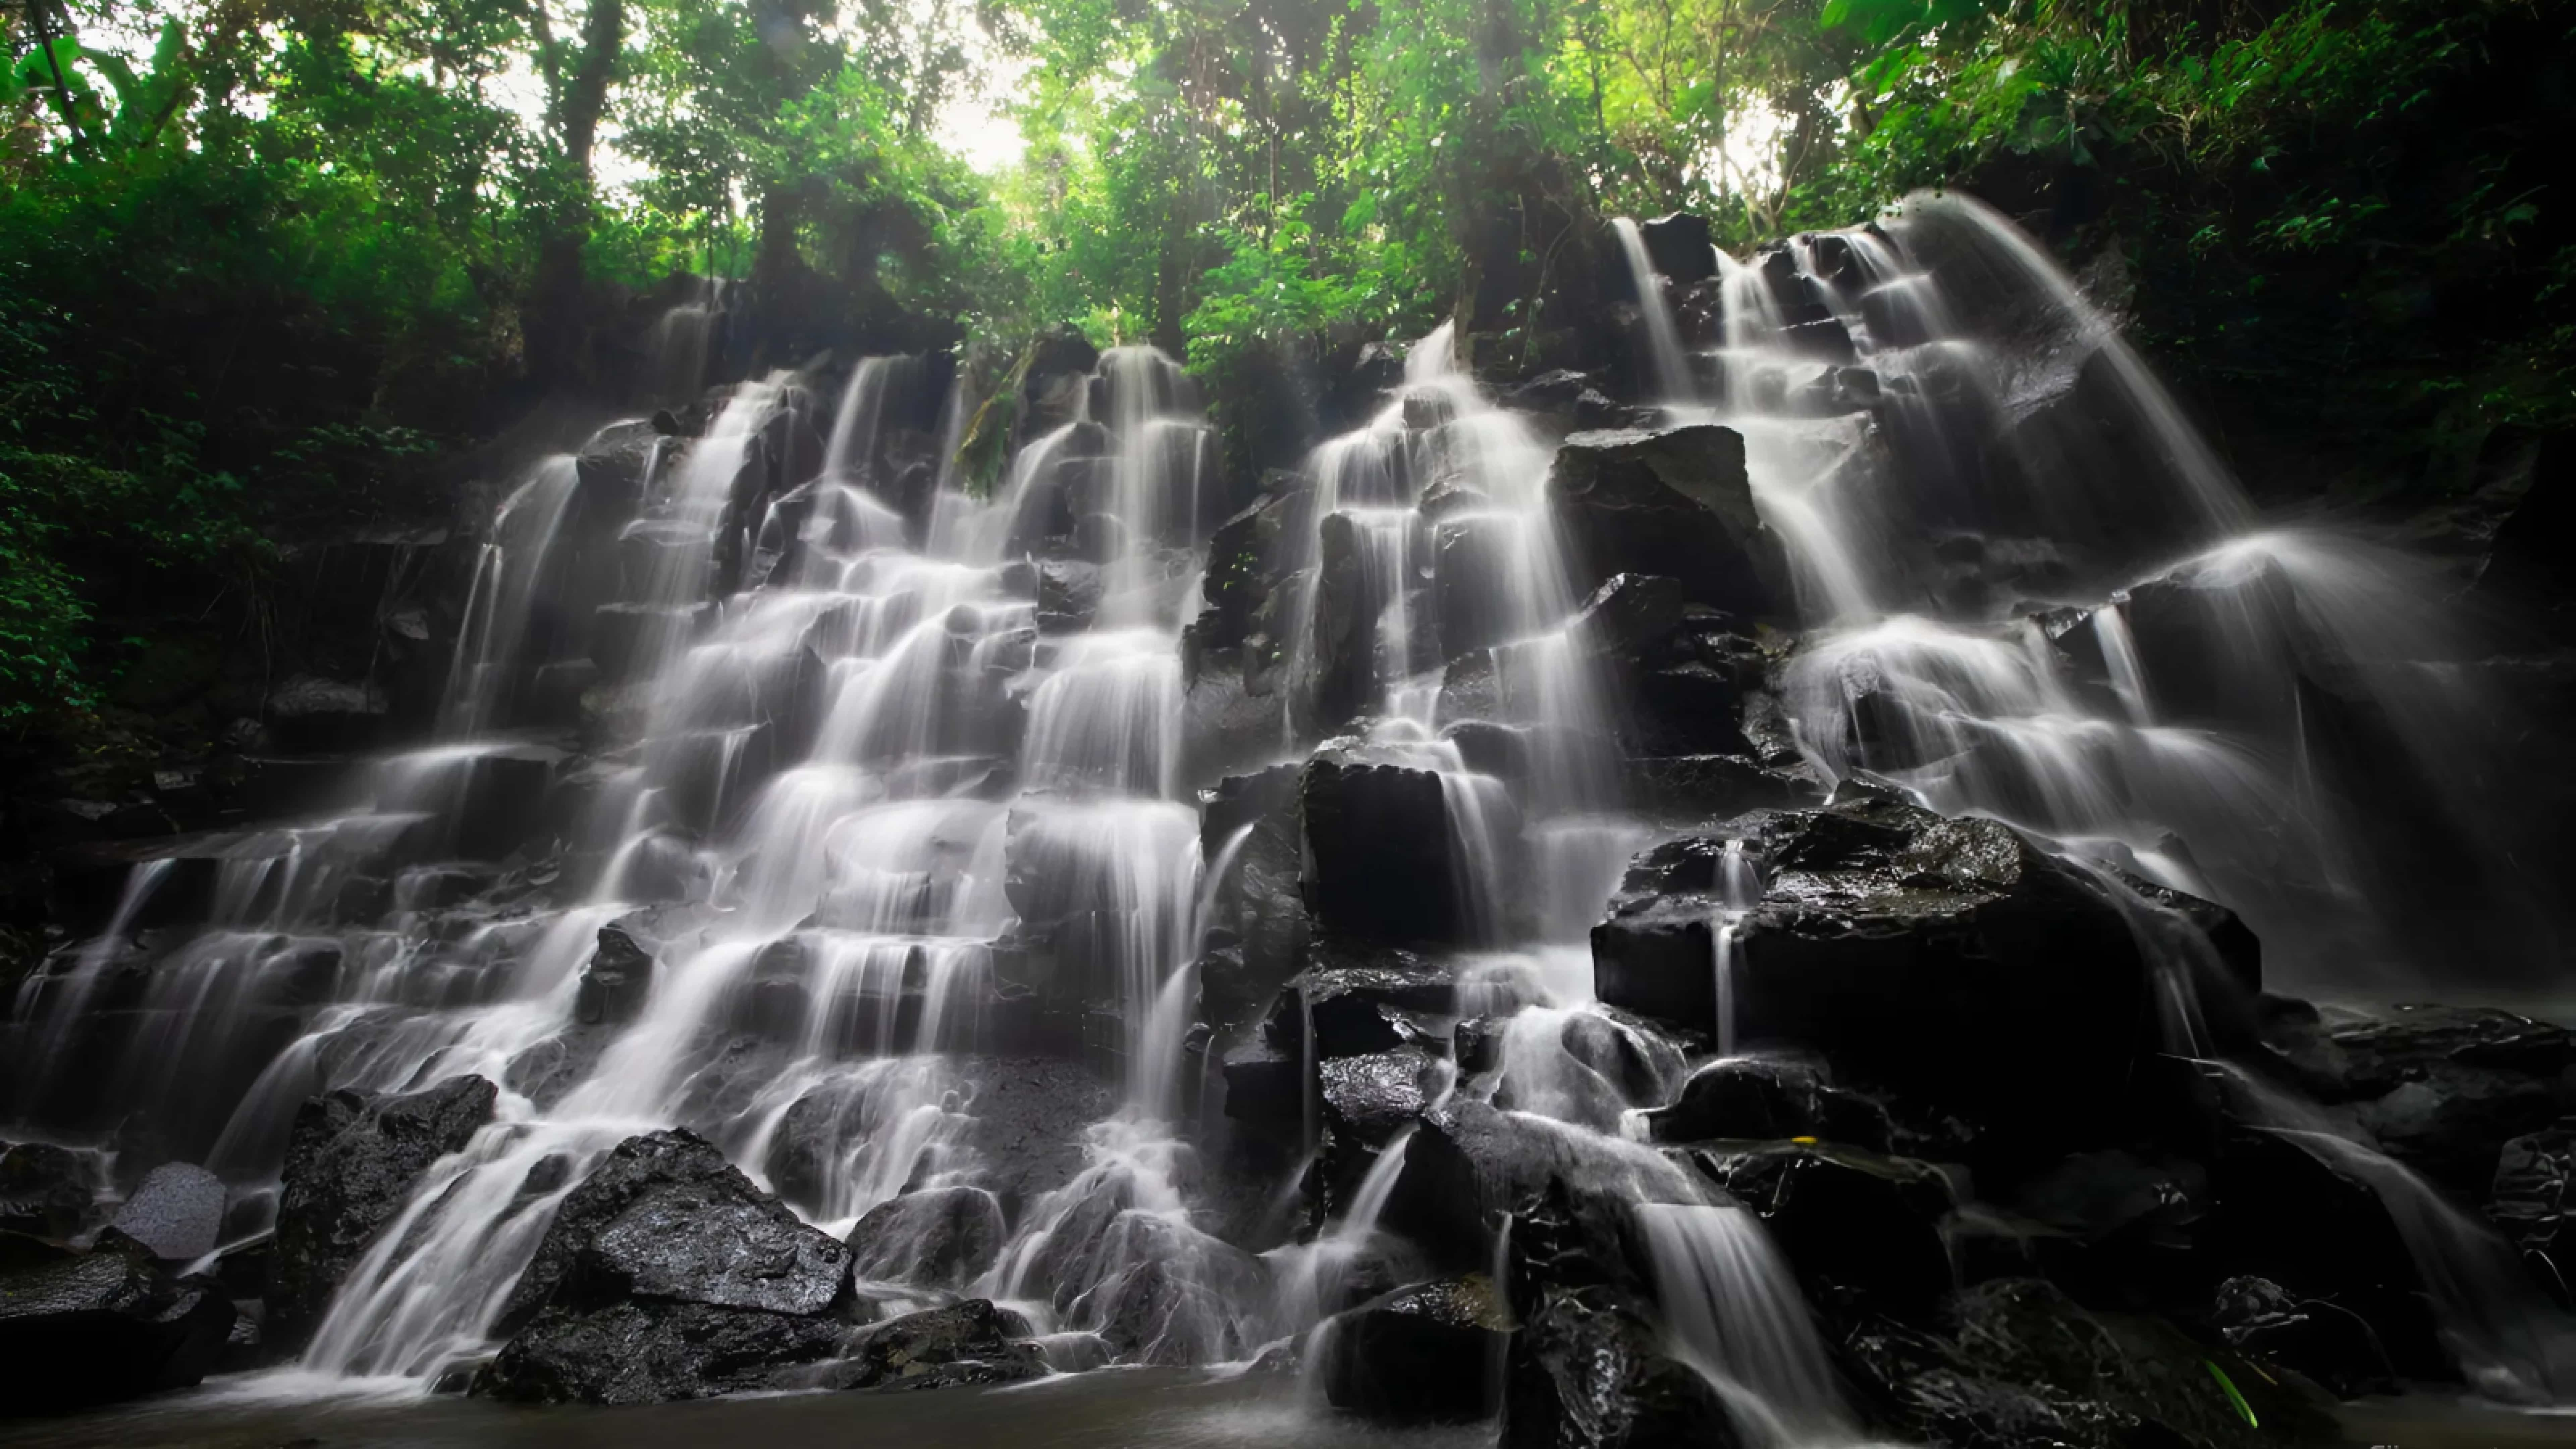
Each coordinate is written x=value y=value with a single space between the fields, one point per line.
x=1568 y=401
x=1367 y=1099
x=666 y=1217
x=2122 y=1229
x=2314 y=1337
x=1852 y=1222
x=613 y=465
x=1343 y=634
x=351 y=1163
x=1470 y=1162
x=619 y=975
x=1353 y=1000
x=1716 y=787
x=1674 y=503
x=1260 y=899
x=1772 y=1098
x=2016 y=1363
x=1474 y=557
x=1425 y=1353
x=653 y=1352
x=311 y=712
x=941 y=1237
x=2306 y=1214
x=1588 y=1370
x=45 y=1191
x=96 y=1327
x=1029 y=1118
x=966 y=1343
x=1243 y=556
x=1378 y=835
x=1678 y=245
x=1266 y=1087
x=2533 y=1201
x=1951 y=960
x=2441 y=1088
x=177 y=1211
x=1068 y=594
x=1632 y=618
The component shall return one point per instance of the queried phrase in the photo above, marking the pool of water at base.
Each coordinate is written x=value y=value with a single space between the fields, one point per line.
x=1141 y=1408
x=2434 y=1421
x=1110 y=1409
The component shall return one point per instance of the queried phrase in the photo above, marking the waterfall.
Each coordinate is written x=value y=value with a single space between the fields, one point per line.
x=509 y=576
x=875 y=791
x=1663 y=340
x=1734 y=1313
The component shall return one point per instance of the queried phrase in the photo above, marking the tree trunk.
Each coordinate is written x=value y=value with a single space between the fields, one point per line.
x=557 y=351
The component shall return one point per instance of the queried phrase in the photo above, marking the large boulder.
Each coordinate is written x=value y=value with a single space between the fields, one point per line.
x=966 y=1343
x=1675 y=503
x=1425 y=1353
x=95 y=1327
x=651 y=1353
x=45 y=1191
x=352 y=1161
x=2441 y=1088
x=1378 y=836
x=667 y=1275
x=939 y=1237
x=1769 y=1099
x=665 y=1216
x=2015 y=1362
x=1952 y=960
x=1851 y=1221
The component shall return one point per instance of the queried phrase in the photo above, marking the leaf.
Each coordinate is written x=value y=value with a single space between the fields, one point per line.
x=2233 y=1396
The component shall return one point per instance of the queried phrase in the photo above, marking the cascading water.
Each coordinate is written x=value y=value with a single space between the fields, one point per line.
x=818 y=787
x=884 y=788
x=2186 y=722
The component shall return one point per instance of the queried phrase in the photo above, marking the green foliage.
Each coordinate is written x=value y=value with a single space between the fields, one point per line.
x=261 y=262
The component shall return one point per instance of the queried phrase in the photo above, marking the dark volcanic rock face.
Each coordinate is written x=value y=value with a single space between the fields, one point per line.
x=350 y=1165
